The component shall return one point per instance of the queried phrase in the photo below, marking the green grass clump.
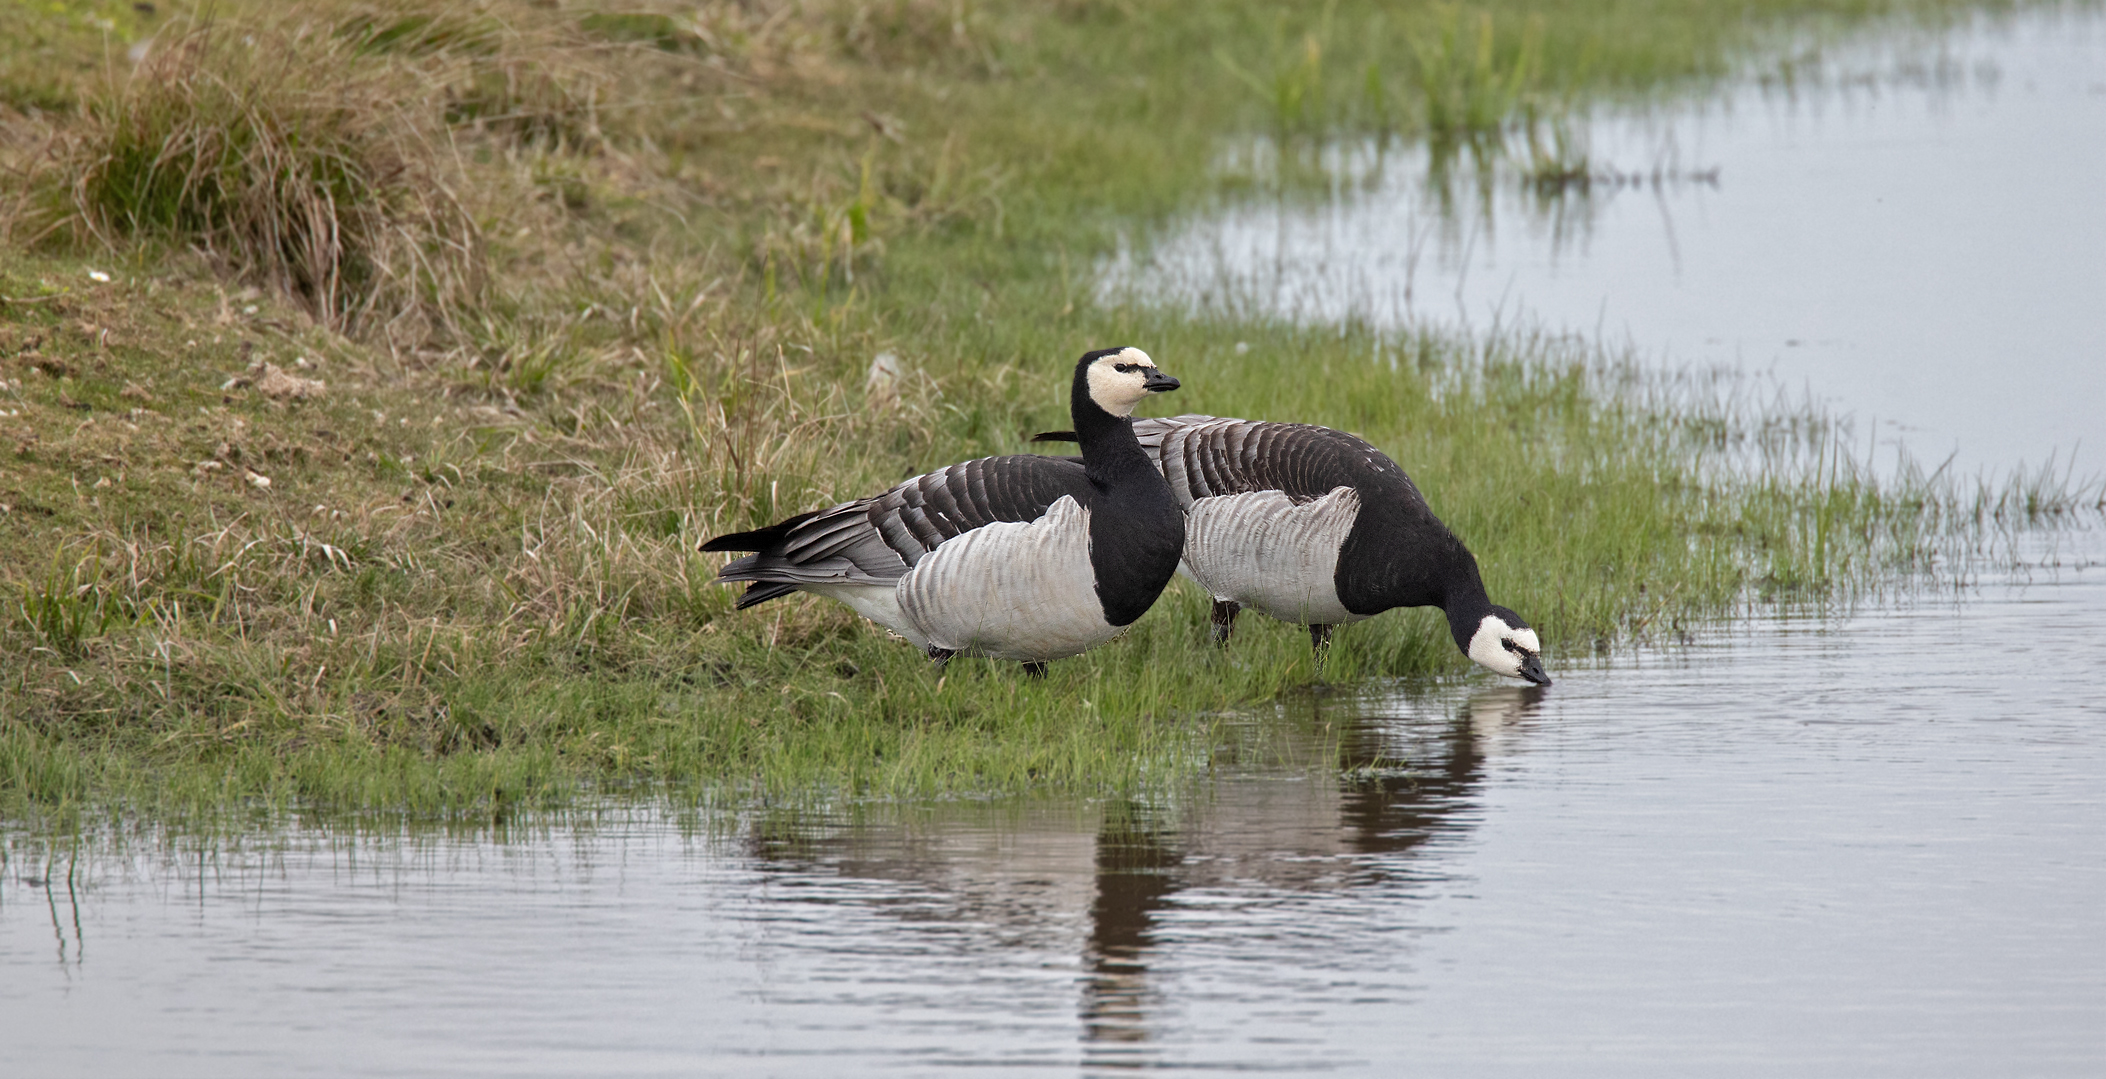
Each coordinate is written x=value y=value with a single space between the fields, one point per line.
x=289 y=161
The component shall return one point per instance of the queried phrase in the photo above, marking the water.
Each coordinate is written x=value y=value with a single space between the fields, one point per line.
x=1871 y=844
x=1920 y=240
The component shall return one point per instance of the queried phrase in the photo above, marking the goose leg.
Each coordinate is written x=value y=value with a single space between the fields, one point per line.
x=1224 y=619
x=1320 y=641
x=1034 y=670
x=941 y=656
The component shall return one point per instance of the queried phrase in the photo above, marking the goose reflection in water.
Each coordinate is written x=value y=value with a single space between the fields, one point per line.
x=1396 y=787
x=1340 y=799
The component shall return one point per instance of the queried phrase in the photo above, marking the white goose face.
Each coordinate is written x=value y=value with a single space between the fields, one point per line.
x=1500 y=648
x=1119 y=380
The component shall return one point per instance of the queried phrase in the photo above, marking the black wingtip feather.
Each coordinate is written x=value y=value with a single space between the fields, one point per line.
x=760 y=539
x=762 y=592
x=1054 y=436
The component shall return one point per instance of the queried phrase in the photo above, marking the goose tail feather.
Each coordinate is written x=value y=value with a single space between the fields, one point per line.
x=760 y=539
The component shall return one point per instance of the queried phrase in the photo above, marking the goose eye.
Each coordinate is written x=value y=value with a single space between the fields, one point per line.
x=1510 y=646
x=1126 y=368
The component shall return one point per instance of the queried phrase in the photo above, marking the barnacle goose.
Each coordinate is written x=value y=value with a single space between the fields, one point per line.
x=1023 y=557
x=1314 y=526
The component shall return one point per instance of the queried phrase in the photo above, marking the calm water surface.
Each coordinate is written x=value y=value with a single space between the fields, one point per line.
x=1914 y=231
x=1861 y=845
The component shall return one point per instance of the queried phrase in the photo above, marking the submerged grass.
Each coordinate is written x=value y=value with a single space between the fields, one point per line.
x=421 y=535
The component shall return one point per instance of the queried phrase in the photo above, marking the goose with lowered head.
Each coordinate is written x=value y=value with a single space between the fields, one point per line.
x=1315 y=526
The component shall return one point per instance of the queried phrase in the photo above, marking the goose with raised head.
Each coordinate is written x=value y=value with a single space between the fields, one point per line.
x=1315 y=526
x=1021 y=557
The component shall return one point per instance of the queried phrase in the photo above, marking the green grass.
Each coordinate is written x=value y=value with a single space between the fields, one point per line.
x=470 y=581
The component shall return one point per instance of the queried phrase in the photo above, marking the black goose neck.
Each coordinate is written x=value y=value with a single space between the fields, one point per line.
x=1466 y=604
x=1109 y=448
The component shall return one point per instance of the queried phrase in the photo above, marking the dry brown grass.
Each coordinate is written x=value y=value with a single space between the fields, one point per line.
x=287 y=162
x=386 y=163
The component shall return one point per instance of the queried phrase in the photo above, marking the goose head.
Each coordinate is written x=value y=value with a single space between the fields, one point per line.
x=1503 y=644
x=1117 y=379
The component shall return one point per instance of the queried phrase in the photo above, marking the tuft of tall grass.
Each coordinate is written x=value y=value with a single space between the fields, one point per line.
x=292 y=160
x=71 y=607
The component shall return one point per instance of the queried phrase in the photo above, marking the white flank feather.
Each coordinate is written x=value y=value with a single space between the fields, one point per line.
x=1266 y=553
x=877 y=602
x=1010 y=590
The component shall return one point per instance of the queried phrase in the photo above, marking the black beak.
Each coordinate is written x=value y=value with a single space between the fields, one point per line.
x=1532 y=669
x=1159 y=382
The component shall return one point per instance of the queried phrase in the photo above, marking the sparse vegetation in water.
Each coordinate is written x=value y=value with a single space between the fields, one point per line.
x=561 y=296
x=1472 y=84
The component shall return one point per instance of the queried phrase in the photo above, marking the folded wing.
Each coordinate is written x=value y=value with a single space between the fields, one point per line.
x=877 y=540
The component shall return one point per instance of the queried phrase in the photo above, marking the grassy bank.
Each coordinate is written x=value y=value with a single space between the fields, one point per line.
x=372 y=372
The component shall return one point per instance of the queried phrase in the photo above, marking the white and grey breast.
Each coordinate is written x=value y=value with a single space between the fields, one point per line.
x=1011 y=589
x=1271 y=553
